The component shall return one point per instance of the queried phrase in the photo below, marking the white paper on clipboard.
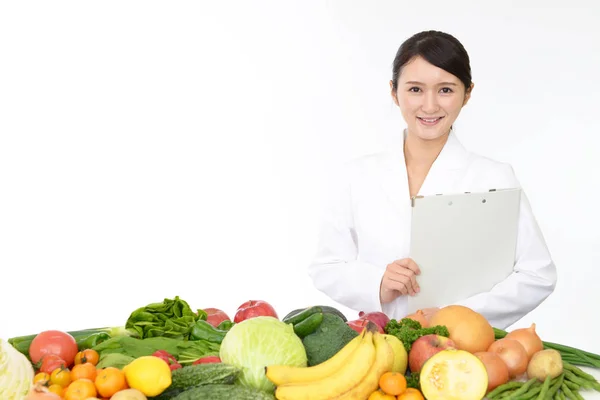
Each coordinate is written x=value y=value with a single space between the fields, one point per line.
x=463 y=243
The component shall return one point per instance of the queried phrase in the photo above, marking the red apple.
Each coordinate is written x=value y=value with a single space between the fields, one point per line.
x=254 y=308
x=426 y=347
x=215 y=316
x=360 y=324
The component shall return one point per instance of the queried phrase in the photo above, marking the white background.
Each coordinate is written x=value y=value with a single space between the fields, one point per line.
x=152 y=149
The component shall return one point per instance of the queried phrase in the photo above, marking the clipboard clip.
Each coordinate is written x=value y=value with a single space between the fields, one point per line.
x=412 y=200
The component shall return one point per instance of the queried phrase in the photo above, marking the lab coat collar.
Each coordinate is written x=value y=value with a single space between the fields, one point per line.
x=441 y=178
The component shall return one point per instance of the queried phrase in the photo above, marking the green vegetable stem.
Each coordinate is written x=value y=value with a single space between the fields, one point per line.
x=202 y=330
x=85 y=338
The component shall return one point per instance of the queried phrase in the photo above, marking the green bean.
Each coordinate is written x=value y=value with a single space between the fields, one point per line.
x=502 y=388
x=545 y=388
x=521 y=390
x=555 y=385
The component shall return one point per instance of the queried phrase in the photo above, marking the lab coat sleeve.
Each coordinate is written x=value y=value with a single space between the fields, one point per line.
x=335 y=269
x=533 y=280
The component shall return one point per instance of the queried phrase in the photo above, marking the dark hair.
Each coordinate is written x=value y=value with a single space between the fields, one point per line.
x=438 y=48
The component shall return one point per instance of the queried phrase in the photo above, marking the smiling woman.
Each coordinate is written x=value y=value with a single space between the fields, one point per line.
x=363 y=259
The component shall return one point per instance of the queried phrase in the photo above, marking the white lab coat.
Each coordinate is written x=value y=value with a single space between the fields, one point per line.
x=366 y=225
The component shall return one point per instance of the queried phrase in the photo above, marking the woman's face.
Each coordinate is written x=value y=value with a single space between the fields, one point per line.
x=429 y=98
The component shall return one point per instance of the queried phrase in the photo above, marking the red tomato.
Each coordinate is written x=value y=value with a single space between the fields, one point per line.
x=53 y=342
x=50 y=362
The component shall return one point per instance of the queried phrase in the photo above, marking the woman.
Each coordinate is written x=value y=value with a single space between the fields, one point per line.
x=362 y=260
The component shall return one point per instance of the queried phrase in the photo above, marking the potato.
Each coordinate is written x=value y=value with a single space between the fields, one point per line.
x=545 y=363
x=128 y=394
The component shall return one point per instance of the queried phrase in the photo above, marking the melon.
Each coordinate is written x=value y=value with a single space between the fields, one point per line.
x=454 y=374
x=469 y=330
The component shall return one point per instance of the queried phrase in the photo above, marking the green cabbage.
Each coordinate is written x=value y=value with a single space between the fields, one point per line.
x=255 y=343
x=16 y=373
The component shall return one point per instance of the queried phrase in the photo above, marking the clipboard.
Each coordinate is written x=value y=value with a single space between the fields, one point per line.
x=464 y=244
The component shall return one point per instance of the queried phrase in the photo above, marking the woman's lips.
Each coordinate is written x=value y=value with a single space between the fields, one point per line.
x=429 y=121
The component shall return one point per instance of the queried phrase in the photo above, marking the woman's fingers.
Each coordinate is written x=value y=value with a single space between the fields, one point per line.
x=410 y=264
x=402 y=282
x=399 y=273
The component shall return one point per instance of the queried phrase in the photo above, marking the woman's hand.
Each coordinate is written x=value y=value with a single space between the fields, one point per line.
x=400 y=278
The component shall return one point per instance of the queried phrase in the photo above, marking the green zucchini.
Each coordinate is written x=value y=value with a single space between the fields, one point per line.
x=302 y=315
x=224 y=392
x=324 y=309
x=203 y=374
x=308 y=325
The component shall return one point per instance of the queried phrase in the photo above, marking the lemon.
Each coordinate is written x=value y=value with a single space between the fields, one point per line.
x=148 y=374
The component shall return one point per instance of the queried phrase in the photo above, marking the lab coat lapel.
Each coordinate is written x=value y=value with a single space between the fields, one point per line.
x=394 y=181
x=446 y=170
x=442 y=177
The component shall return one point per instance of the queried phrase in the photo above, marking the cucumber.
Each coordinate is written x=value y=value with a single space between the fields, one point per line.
x=223 y=392
x=302 y=315
x=325 y=309
x=308 y=325
x=203 y=374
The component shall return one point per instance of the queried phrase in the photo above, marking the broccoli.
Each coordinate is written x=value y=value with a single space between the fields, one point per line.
x=409 y=330
x=328 y=339
x=413 y=381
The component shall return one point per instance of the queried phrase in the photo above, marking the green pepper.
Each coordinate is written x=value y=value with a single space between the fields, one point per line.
x=202 y=330
x=225 y=325
x=92 y=340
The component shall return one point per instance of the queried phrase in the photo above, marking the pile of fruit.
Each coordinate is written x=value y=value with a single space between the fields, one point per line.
x=167 y=351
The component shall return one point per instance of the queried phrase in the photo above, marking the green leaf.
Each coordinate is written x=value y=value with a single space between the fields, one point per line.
x=172 y=318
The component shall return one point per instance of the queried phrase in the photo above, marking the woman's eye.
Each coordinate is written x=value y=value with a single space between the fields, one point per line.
x=413 y=89
x=446 y=90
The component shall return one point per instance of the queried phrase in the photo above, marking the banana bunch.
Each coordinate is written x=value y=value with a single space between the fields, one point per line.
x=351 y=374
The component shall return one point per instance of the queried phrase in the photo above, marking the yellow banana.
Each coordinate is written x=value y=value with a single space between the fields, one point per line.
x=384 y=362
x=354 y=370
x=286 y=374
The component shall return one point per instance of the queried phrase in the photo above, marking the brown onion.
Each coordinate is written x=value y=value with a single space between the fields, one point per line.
x=513 y=354
x=529 y=338
x=496 y=369
x=40 y=392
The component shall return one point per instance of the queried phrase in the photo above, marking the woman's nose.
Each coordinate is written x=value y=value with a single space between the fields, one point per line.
x=430 y=103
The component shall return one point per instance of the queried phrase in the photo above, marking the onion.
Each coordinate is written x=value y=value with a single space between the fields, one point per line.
x=40 y=392
x=513 y=354
x=496 y=369
x=419 y=316
x=376 y=317
x=529 y=338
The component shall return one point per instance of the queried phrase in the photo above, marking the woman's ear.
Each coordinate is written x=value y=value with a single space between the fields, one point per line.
x=468 y=94
x=393 y=93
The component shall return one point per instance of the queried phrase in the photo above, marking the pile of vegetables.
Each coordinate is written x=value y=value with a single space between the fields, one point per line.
x=203 y=354
x=517 y=364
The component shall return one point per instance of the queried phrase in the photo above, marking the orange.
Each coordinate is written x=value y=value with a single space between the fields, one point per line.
x=84 y=371
x=57 y=389
x=60 y=376
x=109 y=381
x=87 y=356
x=393 y=383
x=379 y=395
x=411 y=394
x=81 y=389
